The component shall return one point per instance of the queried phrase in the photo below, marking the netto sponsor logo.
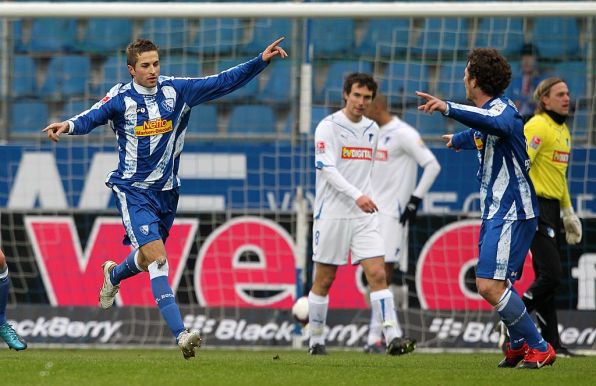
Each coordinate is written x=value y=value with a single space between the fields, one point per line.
x=153 y=127
x=63 y=327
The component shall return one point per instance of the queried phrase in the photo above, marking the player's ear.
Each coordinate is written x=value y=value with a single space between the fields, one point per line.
x=131 y=70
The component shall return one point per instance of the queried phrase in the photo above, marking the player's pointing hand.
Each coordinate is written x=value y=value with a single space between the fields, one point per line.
x=54 y=130
x=432 y=103
x=273 y=50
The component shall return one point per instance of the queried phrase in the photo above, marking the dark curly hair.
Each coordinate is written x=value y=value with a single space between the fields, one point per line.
x=490 y=69
x=362 y=80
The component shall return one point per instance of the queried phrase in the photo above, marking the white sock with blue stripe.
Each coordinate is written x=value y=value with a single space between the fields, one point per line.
x=383 y=306
x=317 y=317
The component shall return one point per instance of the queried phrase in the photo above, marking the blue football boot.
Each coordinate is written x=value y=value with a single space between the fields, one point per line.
x=12 y=339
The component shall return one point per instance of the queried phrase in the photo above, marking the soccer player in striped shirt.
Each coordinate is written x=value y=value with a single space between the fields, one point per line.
x=149 y=116
x=507 y=197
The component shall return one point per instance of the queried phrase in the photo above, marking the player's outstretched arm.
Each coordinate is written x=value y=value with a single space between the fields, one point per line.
x=54 y=130
x=273 y=50
x=432 y=103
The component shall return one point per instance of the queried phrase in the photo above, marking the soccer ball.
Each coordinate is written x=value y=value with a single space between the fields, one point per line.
x=300 y=310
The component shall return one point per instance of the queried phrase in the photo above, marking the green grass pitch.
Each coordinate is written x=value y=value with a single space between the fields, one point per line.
x=88 y=367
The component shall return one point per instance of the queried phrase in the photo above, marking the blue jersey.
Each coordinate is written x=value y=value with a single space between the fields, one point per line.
x=150 y=124
x=497 y=132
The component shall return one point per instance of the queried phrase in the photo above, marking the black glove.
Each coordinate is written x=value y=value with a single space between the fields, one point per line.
x=409 y=214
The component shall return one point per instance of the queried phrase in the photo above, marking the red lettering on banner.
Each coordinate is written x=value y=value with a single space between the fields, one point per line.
x=441 y=267
x=224 y=278
x=73 y=277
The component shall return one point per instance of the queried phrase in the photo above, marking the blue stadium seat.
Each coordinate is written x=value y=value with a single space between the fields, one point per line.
x=181 y=66
x=203 y=119
x=252 y=119
x=583 y=120
x=403 y=79
x=104 y=36
x=385 y=37
x=264 y=32
x=66 y=76
x=332 y=91
x=450 y=84
x=278 y=87
x=427 y=125
x=53 y=35
x=316 y=115
x=575 y=75
x=114 y=71
x=219 y=36
x=249 y=90
x=19 y=45
x=168 y=34
x=28 y=117
x=446 y=36
x=24 y=74
x=333 y=37
x=556 y=37
x=504 y=34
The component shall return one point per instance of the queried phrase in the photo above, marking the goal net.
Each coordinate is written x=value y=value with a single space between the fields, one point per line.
x=239 y=252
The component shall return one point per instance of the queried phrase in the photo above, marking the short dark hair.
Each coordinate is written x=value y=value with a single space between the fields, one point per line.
x=361 y=79
x=490 y=69
x=136 y=48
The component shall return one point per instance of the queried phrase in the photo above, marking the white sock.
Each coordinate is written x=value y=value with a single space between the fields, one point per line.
x=317 y=316
x=374 y=329
x=384 y=307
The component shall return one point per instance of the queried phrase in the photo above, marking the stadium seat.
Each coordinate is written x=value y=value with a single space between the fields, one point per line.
x=278 y=87
x=427 y=125
x=104 y=36
x=445 y=36
x=332 y=91
x=317 y=114
x=556 y=37
x=217 y=36
x=66 y=76
x=252 y=119
x=168 y=34
x=385 y=37
x=450 y=84
x=402 y=79
x=265 y=31
x=583 y=120
x=181 y=66
x=28 y=117
x=53 y=35
x=24 y=74
x=19 y=45
x=203 y=120
x=575 y=75
x=504 y=34
x=249 y=90
x=332 y=37
x=114 y=71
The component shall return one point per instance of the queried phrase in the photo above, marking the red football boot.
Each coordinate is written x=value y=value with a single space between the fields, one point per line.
x=513 y=357
x=536 y=359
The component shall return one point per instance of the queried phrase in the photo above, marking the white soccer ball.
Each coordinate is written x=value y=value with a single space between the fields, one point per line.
x=300 y=310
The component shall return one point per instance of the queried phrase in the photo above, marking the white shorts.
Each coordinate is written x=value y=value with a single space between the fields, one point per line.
x=333 y=239
x=395 y=237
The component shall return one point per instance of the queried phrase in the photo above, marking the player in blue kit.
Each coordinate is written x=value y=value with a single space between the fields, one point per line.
x=507 y=197
x=7 y=333
x=149 y=116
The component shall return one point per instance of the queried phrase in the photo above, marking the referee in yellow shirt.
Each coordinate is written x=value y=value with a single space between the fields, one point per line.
x=549 y=145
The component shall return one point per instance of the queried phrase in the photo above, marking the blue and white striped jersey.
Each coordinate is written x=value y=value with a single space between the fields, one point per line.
x=497 y=132
x=150 y=124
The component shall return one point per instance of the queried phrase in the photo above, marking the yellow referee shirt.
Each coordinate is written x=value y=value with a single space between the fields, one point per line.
x=549 y=145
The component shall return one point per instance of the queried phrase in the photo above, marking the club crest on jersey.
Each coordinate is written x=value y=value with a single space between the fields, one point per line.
x=364 y=153
x=535 y=142
x=320 y=147
x=560 y=157
x=168 y=104
x=153 y=127
x=144 y=229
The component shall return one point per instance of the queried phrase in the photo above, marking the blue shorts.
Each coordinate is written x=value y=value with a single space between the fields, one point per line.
x=503 y=247
x=147 y=215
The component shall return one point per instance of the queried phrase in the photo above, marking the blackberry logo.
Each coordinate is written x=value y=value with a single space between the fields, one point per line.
x=445 y=328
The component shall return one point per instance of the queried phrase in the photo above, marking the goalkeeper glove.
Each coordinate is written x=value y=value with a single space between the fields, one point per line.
x=409 y=214
x=573 y=227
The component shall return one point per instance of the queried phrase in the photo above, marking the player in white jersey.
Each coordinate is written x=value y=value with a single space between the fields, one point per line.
x=508 y=199
x=149 y=116
x=345 y=218
x=399 y=153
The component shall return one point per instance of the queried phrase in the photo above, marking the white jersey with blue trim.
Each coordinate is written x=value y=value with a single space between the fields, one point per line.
x=150 y=123
x=344 y=156
x=497 y=132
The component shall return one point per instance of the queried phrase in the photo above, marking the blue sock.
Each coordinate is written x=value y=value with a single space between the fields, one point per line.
x=4 y=288
x=165 y=298
x=126 y=269
x=515 y=316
